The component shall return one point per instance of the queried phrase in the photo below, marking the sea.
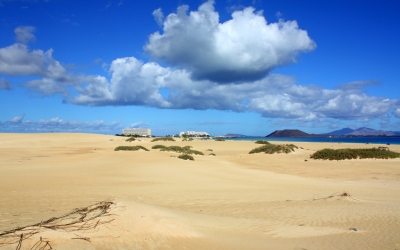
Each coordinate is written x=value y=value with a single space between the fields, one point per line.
x=395 y=140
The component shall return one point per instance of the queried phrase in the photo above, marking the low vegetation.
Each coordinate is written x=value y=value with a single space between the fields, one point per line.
x=130 y=139
x=212 y=154
x=186 y=157
x=219 y=139
x=163 y=139
x=273 y=148
x=184 y=150
x=354 y=153
x=187 y=139
x=158 y=146
x=130 y=148
x=262 y=142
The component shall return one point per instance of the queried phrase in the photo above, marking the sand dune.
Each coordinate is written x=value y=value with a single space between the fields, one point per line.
x=233 y=200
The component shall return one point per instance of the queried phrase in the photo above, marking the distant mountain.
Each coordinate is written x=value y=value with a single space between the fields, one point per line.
x=235 y=135
x=370 y=131
x=288 y=133
x=362 y=132
x=343 y=131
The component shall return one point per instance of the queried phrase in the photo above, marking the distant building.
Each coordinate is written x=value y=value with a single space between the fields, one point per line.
x=193 y=134
x=137 y=131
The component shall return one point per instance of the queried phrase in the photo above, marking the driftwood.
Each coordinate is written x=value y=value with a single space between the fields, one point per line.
x=80 y=219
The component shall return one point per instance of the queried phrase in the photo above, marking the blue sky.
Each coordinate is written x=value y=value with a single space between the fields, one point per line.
x=228 y=66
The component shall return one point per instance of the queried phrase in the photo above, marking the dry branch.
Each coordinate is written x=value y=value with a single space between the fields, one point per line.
x=85 y=218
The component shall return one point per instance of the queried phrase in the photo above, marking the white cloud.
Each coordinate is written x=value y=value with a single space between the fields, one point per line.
x=139 y=124
x=135 y=83
x=132 y=83
x=238 y=53
x=357 y=85
x=158 y=16
x=17 y=119
x=24 y=34
x=18 y=60
x=396 y=112
x=58 y=125
x=243 y=48
x=5 y=85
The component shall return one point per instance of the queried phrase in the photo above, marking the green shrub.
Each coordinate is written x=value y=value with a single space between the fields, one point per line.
x=219 y=139
x=158 y=146
x=186 y=157
x=193 y=152
x=212 y=154
x=273 y=148
x=262 y=142
x=187 y=139
x=163 y=139
x=184 y=150
x=130 y=139
x=209 y=150
x=174 y=149
x=130 y=148
x=357 y=153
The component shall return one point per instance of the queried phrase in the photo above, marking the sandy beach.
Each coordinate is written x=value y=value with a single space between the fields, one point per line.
x=233 y=200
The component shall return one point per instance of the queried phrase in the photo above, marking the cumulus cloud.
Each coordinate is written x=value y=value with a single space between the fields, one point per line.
x=243 y=48
x=237 y=53
x=24 y=34
x=5 y=85
x=277 y=96
x=57 y=125
x=18 y=60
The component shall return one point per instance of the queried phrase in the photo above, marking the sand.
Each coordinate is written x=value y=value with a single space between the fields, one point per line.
x=233 y=200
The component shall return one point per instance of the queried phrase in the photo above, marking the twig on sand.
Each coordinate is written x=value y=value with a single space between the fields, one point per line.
x=79 y=219
x=340 y=195
x=82 y=238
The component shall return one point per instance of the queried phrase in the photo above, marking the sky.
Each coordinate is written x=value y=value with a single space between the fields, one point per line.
x=226 y=66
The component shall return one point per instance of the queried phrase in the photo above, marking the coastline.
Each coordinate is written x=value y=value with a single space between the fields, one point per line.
x=395 y=140
x=233 y=200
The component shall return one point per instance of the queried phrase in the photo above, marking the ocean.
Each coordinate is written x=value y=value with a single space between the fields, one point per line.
x=361 y=140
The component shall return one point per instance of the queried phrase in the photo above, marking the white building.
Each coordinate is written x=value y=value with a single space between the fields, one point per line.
x=137 y=131
x=193 y=134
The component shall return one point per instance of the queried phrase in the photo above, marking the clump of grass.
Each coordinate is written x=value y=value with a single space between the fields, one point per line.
x=158 y=146
x=174 y=149
x=209 y=150
x=354 y=153
x=130 y=139
x=273 y=148
x=212 y=154
x=262 y=142
x=187 y=139
x=186 y=157
x=130 y=148
x=219 y=139
x=163 y=139
x=193 y=152
x=184 y=150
